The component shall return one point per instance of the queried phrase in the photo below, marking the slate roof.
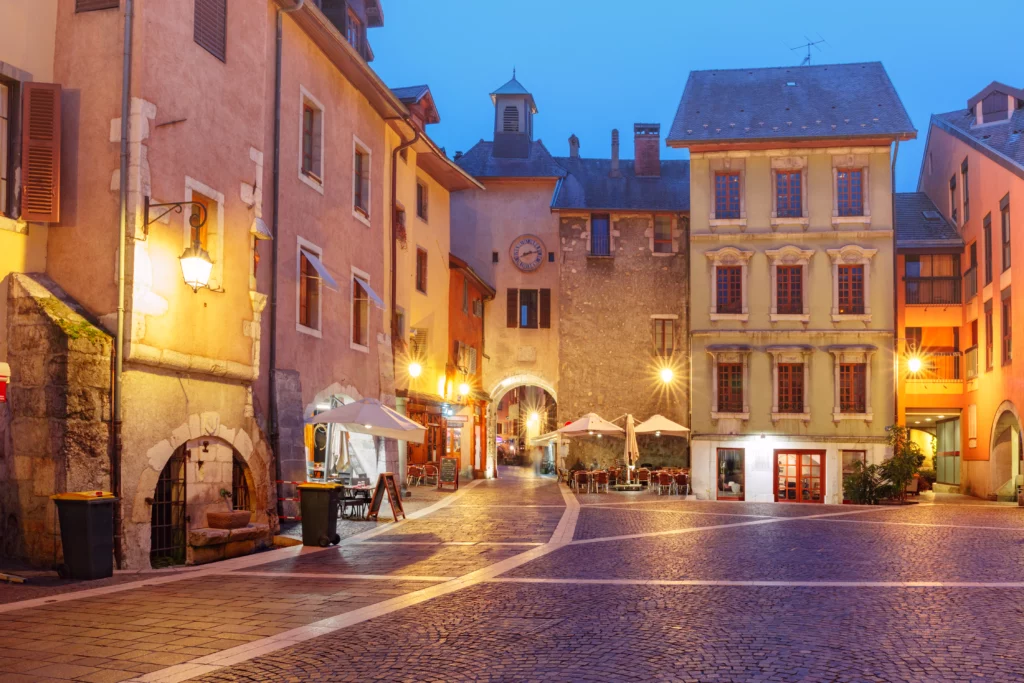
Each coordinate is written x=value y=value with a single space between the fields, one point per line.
x=587 y=186
x=479 y=162
x=820 y=101
x=410 y=94
x=1002 y=141
x=915 y=230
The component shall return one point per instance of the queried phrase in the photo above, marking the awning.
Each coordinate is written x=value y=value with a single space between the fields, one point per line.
x=369 y=291
x=321 y=270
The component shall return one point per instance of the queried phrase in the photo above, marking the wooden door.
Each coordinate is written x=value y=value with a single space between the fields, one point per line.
x=800 y=476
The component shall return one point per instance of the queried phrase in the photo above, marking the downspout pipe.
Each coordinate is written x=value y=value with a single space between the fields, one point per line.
x=122 y=238
x=895 y=301
x=274 y=253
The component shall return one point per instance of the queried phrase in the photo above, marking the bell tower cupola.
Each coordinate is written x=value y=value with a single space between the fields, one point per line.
x=513 y=120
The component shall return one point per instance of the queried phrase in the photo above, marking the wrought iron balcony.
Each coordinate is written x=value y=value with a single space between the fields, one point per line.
x=941 y=366
x=932 y=291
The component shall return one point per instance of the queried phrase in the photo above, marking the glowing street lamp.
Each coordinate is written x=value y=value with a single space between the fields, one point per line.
x=415 y=369
x=533 y=419
x=914 y=364
x=196 y=266
x=464 y=389
x=666 y=375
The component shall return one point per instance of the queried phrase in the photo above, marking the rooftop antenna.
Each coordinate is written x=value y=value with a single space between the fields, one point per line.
x=807 y=46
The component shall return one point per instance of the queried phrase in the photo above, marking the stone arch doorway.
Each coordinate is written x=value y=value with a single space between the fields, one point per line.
x=522 y=407
x=1005 y=451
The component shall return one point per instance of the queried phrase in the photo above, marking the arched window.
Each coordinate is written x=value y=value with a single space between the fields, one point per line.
x=239 y=485
x=510 y=122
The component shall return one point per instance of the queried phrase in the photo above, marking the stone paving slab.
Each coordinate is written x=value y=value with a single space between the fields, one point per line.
x=640 y=633
x=958 y=515
x=383 y=558
x=475 y=524
x=514 y=488
x=603 y=522
x=41 y=584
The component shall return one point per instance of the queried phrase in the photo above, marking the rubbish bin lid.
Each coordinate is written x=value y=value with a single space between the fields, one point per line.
x=82 y=495
x=312 y=485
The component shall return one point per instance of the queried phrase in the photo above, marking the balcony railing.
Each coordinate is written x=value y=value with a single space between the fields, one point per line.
x=942 y=366
x=971 y=361
x=971 y=283
x=932 y=291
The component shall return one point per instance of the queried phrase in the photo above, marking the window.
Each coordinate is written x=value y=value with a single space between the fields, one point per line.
x=995 y=107
x=92 y=5
x=849 y=460
x=730 y=387
x=7 y=89
x=239 y=485
x=850 y=192
x=211 y=27
x=788 y=199
x=308 y=116
x=201 y=234
x=664 y=336
x=361 y=181
x=528 y=308
x=421 y=270
x=309 y=293
x=478 y=308
x=1007 y=325
x=727 y=195
x=528 y=305
x=662 y=234
x=932 y=278
x=989 y=336
x=1004 y=217
x=729 y=289
x=953 y=208
x=987 y=229
x=967 y=194
x=465 y=295
x=851 y=290
x=311 y=154
x=494 y=257
x=789 y=289
x=600 y=235
x=354 y=31
x=853 y=387
x=421 y=200
x=418 y=342
x=510 y=119
x=360 y=314
x=791 y=387
x=913 y=335
x=730 y=474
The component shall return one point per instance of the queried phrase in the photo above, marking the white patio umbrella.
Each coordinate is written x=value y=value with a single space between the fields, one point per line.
x=370 y=416
x=632 y=453
x=660 y=425
x=591 y=424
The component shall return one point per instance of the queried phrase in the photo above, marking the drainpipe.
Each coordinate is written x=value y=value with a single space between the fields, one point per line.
x=116 y=450
x=895 y=301
x=689 y=342
x=274 y=432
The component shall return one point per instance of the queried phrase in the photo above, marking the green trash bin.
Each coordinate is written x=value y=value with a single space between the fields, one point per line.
x=86 y=534
x=319 y=509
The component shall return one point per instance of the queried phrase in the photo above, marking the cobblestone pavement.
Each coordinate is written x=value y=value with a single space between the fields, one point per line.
x=517 y=579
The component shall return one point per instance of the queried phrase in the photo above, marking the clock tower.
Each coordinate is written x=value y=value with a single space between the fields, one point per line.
x=514 y=108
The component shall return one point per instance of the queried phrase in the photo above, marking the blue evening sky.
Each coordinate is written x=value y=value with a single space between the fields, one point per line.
x=594 y=65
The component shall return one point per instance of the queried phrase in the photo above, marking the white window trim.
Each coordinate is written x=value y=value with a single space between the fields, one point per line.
x=790 y=256
x=730 y=355
x=790 y=164
x=729 y=256
x=728 y=165
x=363 y=275
x=304 y=97
x=360 y=146
x=851 y=161
x=214 y=230
x=673 y=231
x=306 y=245
x=790 y=354
x=851 y=255
x=852 y=354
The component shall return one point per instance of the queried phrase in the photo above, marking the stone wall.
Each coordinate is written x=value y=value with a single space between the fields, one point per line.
x=607 y=362
x=54 y=432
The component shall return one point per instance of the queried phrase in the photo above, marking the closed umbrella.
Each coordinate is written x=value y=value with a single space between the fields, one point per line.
x=659 y=425
x=370 y=416
x=632 y=453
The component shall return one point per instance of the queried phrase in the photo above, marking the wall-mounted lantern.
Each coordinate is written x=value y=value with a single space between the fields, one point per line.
x=196 y=265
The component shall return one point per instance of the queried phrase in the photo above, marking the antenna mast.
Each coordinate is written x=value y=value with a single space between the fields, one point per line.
x=807 y=46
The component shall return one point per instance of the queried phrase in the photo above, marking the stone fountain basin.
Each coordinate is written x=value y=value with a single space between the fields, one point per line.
x=236 y=519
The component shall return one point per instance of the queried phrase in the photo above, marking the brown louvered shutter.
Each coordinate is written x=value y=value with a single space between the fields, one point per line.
x=512 y=308
x=40 y=152
x=545 y=308
x=211 y=27
x=90 y=5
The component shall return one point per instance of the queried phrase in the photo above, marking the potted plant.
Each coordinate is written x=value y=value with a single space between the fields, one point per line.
x=232 y=519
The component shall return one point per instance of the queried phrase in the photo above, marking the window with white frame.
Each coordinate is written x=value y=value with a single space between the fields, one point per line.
x=360 y=181
x=789 y=191
x=790 y=298
x=852 y=382
x=850 y=195
x=728 y=192
x=729 y=283
x=360 y=311
x=730 y=382
x=790 y=382
x=211 y=234
x=311 y=141
x=851 y=294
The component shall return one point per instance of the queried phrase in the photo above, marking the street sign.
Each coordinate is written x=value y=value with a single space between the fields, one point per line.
x=386 y=482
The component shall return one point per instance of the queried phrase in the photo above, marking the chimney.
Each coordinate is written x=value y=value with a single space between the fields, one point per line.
x=615 y=173
x=574 y=146
x=458 y=155
x=646 y=149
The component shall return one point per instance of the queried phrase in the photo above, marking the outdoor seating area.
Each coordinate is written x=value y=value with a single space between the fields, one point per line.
x=421 y=475
x=663 y=481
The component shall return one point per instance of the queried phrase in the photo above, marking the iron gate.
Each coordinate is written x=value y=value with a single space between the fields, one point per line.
x=168 y=528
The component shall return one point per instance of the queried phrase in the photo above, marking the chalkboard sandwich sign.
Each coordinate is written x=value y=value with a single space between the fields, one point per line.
x=449 y=475
x=386 y=483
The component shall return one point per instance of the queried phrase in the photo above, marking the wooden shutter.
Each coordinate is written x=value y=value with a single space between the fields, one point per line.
x=40 y=152
x=211 y=27
x=545 y=308
x=90 y=5
x=512 y=308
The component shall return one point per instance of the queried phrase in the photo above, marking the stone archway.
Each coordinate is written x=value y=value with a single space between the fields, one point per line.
x=496 y=392
x=1005 y=451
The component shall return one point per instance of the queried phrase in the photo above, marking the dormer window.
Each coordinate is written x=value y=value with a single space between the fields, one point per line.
x=995 y=107
x=510 y=120
x=354 y=31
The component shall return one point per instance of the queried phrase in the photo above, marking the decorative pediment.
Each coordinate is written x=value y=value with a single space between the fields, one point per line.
x=792 y=353
x=790 y=256
x=852 y=353
x=851 y=253
x=729 y=256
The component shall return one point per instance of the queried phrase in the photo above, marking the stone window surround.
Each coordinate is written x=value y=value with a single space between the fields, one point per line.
x=851 y=255
x=730 y=354
x=305 y=97
x=613 y=232
x=360 y=146
x=674 y=231
x=728 y=165
x=306 y=245
x=790 y=354
x=855 y=353
x=363 y=275
x=790 y=163
x=851 y=161
x=790 y=255
x=729 y=256
x=214 y=230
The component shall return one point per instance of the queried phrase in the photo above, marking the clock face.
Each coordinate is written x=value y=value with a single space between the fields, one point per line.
x=527 y=252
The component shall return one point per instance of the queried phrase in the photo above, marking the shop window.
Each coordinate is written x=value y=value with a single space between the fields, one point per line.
x=850 y=458
x=730 y=468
